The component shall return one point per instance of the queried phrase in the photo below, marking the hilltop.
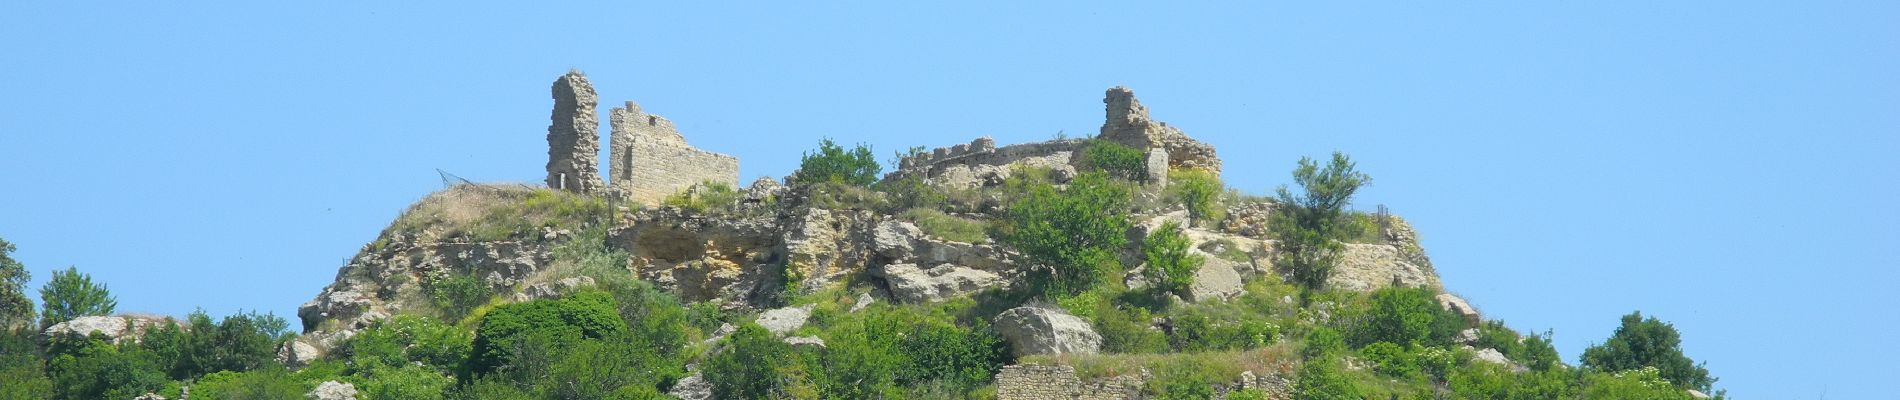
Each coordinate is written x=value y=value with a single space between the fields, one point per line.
x=1113 y=266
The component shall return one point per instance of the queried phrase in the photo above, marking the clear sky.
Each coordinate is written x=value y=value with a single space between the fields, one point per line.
x=1727 y=166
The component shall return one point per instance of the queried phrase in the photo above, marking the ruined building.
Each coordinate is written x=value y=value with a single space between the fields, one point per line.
x=648 y=159
x=981 y=162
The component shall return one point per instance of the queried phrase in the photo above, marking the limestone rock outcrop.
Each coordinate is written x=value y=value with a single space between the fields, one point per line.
x=909 y=283
x=781 y=321
x=1457 y=305
x=548 y=290
x=116 y=327
x=574 y=136
x=1032 y=330
x=333 y=390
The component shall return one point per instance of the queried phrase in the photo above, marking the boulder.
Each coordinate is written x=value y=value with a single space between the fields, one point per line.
x=1495 y=357
x=1458 y=306
x=149 y=396
x=1692 y=393
x=916 y=285
x=1215 y=280
x=785 y=320
x=893 y=239
x=692 y=387
x=116 y=327
x=297 y=354
x=1034 y=330
x=812 y=341
x=864 y=300
x=332 y=390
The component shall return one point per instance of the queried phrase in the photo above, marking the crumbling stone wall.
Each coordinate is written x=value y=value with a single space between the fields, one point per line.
x=651 y=160
x=574 y=136
x=1129 y=123
x=1058 y=382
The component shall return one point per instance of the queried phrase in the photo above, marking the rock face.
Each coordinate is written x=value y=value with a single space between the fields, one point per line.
x=1495 y=357
x=574 y=136
x=1216 y=280
x=548 y=290
x=911 y=284
x=692 y=387
x=332 y=390
x=118 y=327
x=1458 y=306
x=1038 y=330
x=1368 y=267
x=297 y=354
x=650 y=159
x=785 y=320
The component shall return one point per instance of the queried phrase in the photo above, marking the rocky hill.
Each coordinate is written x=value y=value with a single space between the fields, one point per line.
x=1109 y=267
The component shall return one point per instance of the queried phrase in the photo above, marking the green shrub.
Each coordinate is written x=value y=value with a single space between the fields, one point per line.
x=1648 y=342
x=948 y=227
x=1247 y=394
x=842 y=196
x=611 y=368
x=1309 y=225
x=1322 y=342
x=490 y=389
x=71 y=294
x=93 y=368
x=239 y=342
x=753 y=365
x=543 y=328
x=1321 y=379
x=1195 y=331
x=832 y=163
x=405 y=340
x=524 y=214
x=1129 y=331
x=881 y=352
x=1646 y=382
x=455 y=294
x=1201 y=191
x=708 y=197
x=1390 y=359
x=1490 y=381
x=706 y=316
x=405 y=382
x=22 y=365
x=1072 y=236
x=1115 y=159
x=1539 y=354
x=1170 y=267
x=1361 y=227
x=263 y=384
x=1406 y=315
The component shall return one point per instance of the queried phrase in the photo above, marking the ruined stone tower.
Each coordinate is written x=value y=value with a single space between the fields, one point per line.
x=1128 y=123
x=650 y=160
x=574 y=136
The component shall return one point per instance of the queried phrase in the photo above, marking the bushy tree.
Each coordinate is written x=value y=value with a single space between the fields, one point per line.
x=750 y=366
x=1408 y=316
x=541 y=328
x=239 y=342
x=404 y=340
x=1200 y=190
x=263 y=384
x=1646 y=382
x=1072 y=235
x=15 y=309
x=1309 y=225
x=22 y=366
x=832 y=163
x=71 y=294
x=1648 y=342
x=1322 y=379
x=1115 y=159
x=94 y=368
x=1171 y=266
x=405 y=382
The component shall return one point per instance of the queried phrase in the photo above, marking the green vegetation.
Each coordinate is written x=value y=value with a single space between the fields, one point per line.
x=709 y=197
x=832 y=163
x=1115 y=159
x=15 y=309
x=71 y=294
x=1648 y=343
x=1405 y=316
x=525 y=329
x=1201 y=191
x=455 y=294
x=1310 y=226
x=1073 y=235
x=948 y=227
x=1170 y=266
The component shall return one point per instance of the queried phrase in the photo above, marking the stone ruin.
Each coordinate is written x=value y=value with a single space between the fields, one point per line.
x=981 y=162
x=648 y=159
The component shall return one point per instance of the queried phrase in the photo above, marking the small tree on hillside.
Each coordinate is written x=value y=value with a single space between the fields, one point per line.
x=1309 y=225
x=832 y=163
x=1170 y=267
x=71 y=294
x=1648 y=342
x=15 y=309
x=1071 y=235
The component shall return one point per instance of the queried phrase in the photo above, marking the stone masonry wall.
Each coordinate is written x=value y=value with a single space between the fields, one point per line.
x=651 y=160
x=1053 y=382
x=574 y=136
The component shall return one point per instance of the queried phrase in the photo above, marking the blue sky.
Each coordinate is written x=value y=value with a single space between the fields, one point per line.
x=1727 y=166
